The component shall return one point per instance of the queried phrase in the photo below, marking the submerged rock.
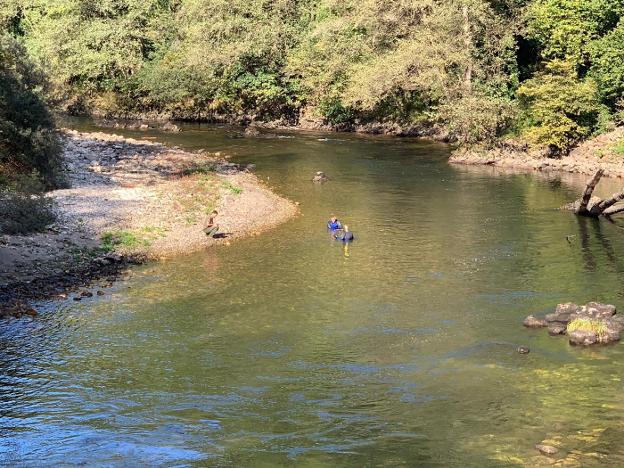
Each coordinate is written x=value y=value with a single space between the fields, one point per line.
x=533 y=322
x=320 y=177
x=547 y=449
x=555 y=329
x=251 y=132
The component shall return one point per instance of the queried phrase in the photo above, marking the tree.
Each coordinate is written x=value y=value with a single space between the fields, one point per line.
x=28 y=141
x=559 y=108
x=607 y=68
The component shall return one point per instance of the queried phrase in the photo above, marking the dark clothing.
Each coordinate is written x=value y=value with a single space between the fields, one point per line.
x=345 y=237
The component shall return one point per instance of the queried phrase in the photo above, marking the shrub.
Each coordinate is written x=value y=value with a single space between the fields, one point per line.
x=559 y=109
x=113 y=239
x=28 y=139
x=24 y=208
x=477 y=118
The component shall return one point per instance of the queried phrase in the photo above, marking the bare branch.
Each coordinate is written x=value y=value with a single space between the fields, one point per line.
x=589 y=190
x=613 y=210
x=604 y=204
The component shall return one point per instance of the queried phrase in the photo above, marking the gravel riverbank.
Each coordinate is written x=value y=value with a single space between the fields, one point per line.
x=130 y=201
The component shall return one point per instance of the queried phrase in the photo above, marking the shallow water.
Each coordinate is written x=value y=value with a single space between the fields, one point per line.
x=287 y=350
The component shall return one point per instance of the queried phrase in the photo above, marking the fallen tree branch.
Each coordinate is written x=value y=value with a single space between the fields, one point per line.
x=589 y=190
x=594 y=207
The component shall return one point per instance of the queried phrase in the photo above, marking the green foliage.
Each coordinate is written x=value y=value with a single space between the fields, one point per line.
x=565 y=29
x=607 y=64
x=559 y=108
x=335 y=113
x=27 y=137
x=112 y=240
x=618 y=148
x=235 y=189
x=474 y=119
x=409 y=61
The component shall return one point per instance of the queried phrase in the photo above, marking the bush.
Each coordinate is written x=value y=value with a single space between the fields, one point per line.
x=335 y=113
x=28 y=139
x=476 y=118
x=559 y=108
x=24 y=208
x=607 y=68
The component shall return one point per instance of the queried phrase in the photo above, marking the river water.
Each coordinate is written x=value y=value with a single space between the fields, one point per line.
x=286 y=350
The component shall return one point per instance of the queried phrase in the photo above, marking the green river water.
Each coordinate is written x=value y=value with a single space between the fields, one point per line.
x=285 y=350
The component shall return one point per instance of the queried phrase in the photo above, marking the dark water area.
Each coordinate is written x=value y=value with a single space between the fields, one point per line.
x=288 y=350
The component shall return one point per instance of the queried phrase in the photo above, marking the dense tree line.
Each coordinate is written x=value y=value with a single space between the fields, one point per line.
x=548 y=71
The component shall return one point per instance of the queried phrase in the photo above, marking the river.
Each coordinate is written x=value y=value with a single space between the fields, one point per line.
x=285 y=349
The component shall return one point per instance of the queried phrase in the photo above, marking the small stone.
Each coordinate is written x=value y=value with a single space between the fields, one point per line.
x=546 y=449
x=555 y=329
x=86 y=294
x=534 y=322
x=100 y=292
x=523 y=350
x=77 y=298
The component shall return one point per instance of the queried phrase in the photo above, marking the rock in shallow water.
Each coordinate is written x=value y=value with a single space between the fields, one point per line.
x=523 y=350
x=556 y=329
x=585 y=325
x=533 y=322
x=547 y=449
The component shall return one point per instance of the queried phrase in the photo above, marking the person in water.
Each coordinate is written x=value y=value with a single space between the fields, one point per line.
x=333 y=224
x=212 y=227
x=345 y=235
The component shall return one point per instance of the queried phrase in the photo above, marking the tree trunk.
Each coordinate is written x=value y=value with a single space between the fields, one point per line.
x=468 y=44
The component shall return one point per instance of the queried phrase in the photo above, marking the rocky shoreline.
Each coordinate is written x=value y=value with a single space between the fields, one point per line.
x=304 y=122
x=602 y=152
x=130 y=201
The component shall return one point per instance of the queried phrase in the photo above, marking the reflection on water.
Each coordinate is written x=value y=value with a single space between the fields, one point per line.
x=293 y=349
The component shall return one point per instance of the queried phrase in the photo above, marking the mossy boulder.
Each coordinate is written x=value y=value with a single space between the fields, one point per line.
x=592 y=323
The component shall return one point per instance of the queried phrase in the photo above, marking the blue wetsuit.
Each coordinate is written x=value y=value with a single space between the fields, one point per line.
x=334 y=226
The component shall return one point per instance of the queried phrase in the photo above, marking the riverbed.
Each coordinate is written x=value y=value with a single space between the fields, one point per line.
x=289 y=349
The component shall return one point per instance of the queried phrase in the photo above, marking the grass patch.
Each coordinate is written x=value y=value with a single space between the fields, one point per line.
x=200 y=168
x=618 y=148
x=130 y=240
x=236 y=190
x=588 y=325
x=111 y=240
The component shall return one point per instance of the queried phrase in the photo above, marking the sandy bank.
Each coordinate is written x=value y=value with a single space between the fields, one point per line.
x=604 y=151
x=132 y=200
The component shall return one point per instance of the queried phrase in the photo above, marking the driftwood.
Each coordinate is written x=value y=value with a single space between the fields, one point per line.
x=595 y=207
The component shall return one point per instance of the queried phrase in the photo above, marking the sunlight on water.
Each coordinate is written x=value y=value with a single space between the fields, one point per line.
x=281 y=350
